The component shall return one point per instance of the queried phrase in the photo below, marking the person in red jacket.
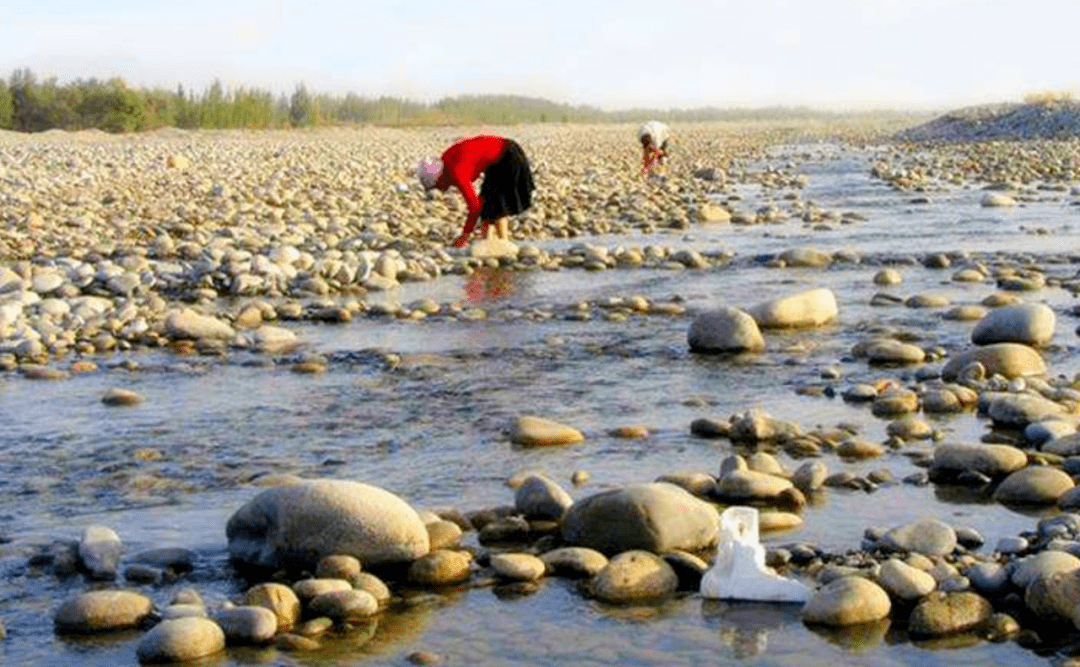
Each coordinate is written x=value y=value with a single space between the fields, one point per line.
x=508 y=181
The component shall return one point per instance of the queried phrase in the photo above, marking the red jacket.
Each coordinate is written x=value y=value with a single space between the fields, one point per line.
x=463 y=163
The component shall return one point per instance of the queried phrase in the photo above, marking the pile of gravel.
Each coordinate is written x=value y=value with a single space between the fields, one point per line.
x=1051 y=120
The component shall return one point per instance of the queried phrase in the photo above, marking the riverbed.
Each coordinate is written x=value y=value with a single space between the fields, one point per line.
x=422 y=408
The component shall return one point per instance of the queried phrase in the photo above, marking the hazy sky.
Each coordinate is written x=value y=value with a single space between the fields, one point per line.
x=836 y=54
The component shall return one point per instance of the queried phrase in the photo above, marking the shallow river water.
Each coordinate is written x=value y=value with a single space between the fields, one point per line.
x=171 y=471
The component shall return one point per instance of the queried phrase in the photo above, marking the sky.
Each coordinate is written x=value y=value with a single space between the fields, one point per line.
x=665 y=54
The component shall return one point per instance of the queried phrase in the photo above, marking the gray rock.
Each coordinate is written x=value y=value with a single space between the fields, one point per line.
x=1066 y=445
x=725 y=330
x=181 y=640
x=654 y=517
x=989 y=578
x=247 y=624
x=541 y=497
x=1026 y=569
x=1019 y=410
x=929 y=537
x=298 y=524
x=1012 y=545
x=176 y=559
x=1027 y=323
x=991 y=460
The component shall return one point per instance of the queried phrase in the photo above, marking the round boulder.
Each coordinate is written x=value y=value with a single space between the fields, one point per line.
x=634 y=576
x=1010 y=360
x=655 y=517
x=725 y=330
x=941 y=613
x=848 y=600
x=101 y=611
x=540 y=497
x=294 y=526
x=247 y=625
x=1034 y=485
x=1026 y=323
x=929 y=537
x=181 y=640
x=807 y=309
x=991 y=460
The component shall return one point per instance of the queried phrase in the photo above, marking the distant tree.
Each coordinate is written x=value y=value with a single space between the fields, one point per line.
x=5 y=106
x=110 y=106
x=303 y=111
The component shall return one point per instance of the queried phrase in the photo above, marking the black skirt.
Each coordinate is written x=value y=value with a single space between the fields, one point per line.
x=508 y=184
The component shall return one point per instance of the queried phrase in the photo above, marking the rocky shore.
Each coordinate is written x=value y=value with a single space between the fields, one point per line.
x=211 y=242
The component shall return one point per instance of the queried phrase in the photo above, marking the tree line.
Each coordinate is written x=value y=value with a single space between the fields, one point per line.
x=32 y=104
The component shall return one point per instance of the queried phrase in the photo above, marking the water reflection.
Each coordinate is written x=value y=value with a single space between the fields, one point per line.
x=745 y=626
x=861 y=638
x=493 y=283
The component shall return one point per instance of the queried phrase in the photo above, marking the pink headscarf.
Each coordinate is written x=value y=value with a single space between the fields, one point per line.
x=428 y=172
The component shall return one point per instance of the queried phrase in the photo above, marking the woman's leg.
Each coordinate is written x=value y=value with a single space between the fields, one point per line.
x=502 y=228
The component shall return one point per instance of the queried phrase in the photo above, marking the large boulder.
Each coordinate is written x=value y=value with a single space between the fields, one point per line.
x=725 y=330
x=1010 y=360
x=1034 y=485
x=994 y=461
x=807 y=309
x=1026 y=323
x=296 y=525
x=655 y=517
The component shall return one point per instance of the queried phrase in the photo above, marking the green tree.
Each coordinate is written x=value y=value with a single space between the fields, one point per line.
x=110 y=106
x=303 y=111
x=5 y=106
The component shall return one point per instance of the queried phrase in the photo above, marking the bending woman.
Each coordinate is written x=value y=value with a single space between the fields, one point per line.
x=508 y=181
